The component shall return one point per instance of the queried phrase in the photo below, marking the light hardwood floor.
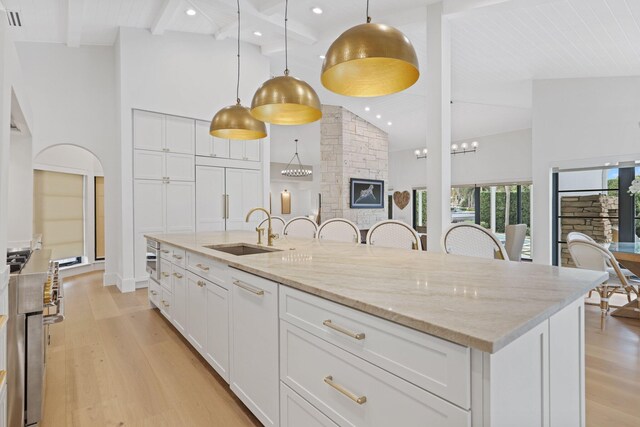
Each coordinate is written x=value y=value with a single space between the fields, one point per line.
x=115 y=362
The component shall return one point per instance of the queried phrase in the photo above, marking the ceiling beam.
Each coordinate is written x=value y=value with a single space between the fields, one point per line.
x=227 y=31
x=162 y=21
x=75 y=9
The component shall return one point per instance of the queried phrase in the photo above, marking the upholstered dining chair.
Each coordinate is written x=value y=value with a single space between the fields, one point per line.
x=592 y=256
x=340 y=230
x=514 y=240
x=393 y=234
x=300 y=226
x=277 y=224
x=472 y=240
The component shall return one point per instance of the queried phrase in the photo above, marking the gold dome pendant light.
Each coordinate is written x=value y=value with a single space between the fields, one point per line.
x=236 y=121
x=285 y=100
x=370 y=60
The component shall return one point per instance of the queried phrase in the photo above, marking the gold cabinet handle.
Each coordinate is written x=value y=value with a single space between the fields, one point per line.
x=201 y=283
x=165 y=274
x=202 y=267
x=153 y=293
x=226 y=207
x=178 y=275
x=355 y=335
x=358 y=399
x=249 y=288
x=177 y=256
x=164 y=251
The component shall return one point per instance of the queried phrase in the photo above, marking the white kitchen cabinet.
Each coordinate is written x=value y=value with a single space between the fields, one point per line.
x=165 y=275
x=210 y=146
x=254 y=345
x=166 y=304
x=245 y=150
x=179 y=167
x=296 y=412
x=196 y=312
x=149 y=165
x=179 y=313
x=243 y=193
x=210 y=199
x=179 y=135
x=180 y=206
x=148 y=130
x=155 y=293
x=217 y=344
x=224 y=196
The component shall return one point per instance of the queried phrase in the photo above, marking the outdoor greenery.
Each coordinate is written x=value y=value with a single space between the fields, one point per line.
x=613 y=184
x=501 y=203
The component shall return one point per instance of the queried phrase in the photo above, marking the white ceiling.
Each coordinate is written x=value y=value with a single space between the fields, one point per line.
x=496 y=50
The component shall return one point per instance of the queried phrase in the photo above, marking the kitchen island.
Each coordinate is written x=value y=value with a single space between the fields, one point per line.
x=327 y=333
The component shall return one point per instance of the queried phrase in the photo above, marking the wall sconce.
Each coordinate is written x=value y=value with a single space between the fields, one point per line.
x=464 y=148
x=421 y=154
x=285 y=202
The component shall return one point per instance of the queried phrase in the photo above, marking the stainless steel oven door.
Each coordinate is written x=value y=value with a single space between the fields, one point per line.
x=153 y=259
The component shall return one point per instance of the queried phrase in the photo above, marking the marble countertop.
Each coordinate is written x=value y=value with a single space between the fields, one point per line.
x=475 y=302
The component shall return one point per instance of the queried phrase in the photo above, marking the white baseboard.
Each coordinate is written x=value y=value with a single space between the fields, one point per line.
x=75 y=270
x=142 y=283
x=126 y=285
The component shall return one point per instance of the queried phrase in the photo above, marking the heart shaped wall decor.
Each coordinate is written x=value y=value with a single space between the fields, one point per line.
x=401 y=199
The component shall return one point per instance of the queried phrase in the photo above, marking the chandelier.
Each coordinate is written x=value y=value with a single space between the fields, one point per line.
x=296 y=170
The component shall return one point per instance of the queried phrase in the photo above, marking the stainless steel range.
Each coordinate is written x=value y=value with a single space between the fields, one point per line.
x=35 y=300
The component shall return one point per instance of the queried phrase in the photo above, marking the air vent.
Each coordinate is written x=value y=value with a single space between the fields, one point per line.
x=14 y=19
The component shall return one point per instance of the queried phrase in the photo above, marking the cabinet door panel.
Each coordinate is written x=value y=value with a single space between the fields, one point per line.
x=217 y=348
x=196 y=311
x=179 y=279
x=221 y=147
x=252 y=150
x=148 y=130
x=210 y=199
x=180 y=167
x=204 y=146
x=236 y=150
x=148 y=164
x=254 y=331
x=179 y=134
x=180 y=207
x=251 y=196
x=243 y=188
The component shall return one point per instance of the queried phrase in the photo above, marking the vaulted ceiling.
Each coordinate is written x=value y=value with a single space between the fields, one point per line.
x=496 y=50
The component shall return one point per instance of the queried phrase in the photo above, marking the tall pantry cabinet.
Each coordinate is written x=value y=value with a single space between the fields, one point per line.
x=186 y=180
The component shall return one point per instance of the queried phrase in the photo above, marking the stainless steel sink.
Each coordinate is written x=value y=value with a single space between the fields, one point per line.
x=240 y=249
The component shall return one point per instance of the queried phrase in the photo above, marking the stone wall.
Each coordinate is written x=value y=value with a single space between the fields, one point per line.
x=350 y=147
x=596 y=216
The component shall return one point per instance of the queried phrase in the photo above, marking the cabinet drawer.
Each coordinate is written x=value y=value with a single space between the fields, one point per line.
x=155 y=292
x=166 y=303
x=296 y=412
x=351 y=391
x=165 y=274
x=174 y=255
x=209 y=269
x=436 y=365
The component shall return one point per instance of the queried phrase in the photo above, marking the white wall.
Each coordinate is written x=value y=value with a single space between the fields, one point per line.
x=184 y=74
x=20 y=195
x=501 y=158
x=579 y=123
x=72 y=94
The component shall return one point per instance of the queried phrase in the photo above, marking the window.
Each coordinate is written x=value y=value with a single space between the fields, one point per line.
x=463 y=204
x=99 y=217
x=594 y=202
x=58 y=205
x=420 y=210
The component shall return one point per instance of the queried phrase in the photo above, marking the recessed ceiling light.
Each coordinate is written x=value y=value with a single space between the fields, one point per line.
x=190 y=12
x=367 y=109
x=317 y=11
x=378 y=116
x=321 y=56
x=257 y=33
x=389 y=123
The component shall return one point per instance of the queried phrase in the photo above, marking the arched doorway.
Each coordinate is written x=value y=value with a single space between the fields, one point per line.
x=68 y=204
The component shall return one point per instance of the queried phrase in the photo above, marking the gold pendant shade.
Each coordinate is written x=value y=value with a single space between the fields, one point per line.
x=285 y=100
x=370 y=60
x=236 y=122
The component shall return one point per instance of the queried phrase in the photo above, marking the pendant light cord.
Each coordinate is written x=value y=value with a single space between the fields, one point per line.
x=286 y=45
x=368 y=17
x=238 y=81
